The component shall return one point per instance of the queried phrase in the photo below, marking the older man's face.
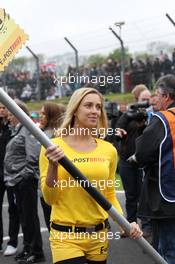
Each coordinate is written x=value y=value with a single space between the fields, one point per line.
x=154 y=102
x=162 y=99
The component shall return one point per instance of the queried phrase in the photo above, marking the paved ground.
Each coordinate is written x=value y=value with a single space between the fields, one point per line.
x=122 y=251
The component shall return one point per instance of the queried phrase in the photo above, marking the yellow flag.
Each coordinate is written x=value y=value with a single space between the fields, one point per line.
x=12 y=37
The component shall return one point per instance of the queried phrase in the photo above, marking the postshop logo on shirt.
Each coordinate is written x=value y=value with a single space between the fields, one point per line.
x=90 y=160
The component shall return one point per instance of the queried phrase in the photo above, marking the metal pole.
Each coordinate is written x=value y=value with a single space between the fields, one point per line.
x=76 y=60
x=4 y=80
x=122 y=60
x=77 y=175
x=38 y=72
x=122 y=68
x=171 y=20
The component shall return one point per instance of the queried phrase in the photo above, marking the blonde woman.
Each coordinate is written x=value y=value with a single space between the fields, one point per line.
x=73 y=210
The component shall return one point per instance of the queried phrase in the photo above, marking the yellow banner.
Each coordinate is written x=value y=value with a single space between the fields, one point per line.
x=12 y=37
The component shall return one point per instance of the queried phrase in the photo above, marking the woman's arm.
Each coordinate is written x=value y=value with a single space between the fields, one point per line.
x=53 y=154
x=111 y=192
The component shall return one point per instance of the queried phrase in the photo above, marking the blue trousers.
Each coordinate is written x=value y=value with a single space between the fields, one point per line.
x=131 y=178
x=167 y=240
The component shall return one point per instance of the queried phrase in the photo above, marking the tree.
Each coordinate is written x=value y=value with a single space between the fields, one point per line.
x=116 y=55
x=96 y=59
x=18 y=64
x=24 y=63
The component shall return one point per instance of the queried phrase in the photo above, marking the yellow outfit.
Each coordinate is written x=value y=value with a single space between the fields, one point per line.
x=71 y=204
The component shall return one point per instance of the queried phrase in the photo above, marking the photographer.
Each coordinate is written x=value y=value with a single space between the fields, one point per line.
x=158 y=193
x=133 y=121
x=114 y=112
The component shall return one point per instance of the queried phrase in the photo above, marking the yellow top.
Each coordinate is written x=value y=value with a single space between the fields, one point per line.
x=71 y=204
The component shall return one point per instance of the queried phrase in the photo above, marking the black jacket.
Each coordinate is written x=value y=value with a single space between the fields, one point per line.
x=126 y=146
x=152 y=203
x=5 y=133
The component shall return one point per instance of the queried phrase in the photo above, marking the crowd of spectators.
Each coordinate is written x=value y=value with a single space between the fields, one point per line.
x=23 y=84
x=149 y=71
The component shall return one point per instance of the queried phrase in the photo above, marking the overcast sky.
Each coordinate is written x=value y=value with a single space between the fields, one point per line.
x=86 y=23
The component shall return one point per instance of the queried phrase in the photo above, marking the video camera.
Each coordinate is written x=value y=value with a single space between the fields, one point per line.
x=112 y=109
x=138 y=111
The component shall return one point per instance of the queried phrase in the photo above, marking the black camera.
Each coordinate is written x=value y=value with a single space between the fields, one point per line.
x=138 y=111
x=112 y=109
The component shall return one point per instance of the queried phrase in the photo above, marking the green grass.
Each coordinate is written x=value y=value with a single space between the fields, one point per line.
x=121 y=98
x=36 y=106
x=118 y=185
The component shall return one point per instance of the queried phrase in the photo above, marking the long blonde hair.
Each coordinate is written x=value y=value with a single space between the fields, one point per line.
x=73 y=105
